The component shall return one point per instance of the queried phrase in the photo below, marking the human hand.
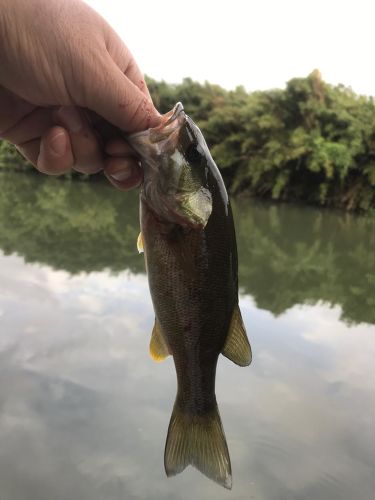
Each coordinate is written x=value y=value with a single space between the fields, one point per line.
x=63 y=70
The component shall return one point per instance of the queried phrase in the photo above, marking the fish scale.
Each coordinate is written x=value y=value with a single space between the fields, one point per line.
x=191 y=260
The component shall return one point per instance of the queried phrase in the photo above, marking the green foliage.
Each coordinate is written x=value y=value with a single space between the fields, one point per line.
x=10 y=158
x=310 y=142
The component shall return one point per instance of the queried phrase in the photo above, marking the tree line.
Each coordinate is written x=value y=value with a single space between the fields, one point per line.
x=310 y=142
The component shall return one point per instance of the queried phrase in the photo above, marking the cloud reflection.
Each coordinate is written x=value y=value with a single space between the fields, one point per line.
x=84 y=411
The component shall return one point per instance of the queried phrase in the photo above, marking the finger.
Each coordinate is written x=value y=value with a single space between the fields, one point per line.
x=123 y=173
x=120 y=148
x=122 y=56
x=30 y=127
x=30 y=150
x=88 y=157
x=55 y=156
x=135 y=75
x=114 y=97
x=13 y=109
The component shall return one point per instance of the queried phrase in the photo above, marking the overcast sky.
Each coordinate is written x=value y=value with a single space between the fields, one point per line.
x=258 y=44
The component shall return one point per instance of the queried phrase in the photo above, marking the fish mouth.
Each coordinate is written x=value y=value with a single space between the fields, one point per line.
x=169 y=122
x=174 y=113
x=180 y=199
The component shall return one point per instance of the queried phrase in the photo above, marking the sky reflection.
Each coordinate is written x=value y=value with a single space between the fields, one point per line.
x=84 y=410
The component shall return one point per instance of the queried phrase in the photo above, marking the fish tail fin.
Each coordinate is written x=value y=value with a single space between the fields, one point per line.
x=198 y=440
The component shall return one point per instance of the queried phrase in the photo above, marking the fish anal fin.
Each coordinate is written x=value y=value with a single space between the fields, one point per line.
x=158 y=347
x=140 y=246
x=198 y=440
x=237 y=347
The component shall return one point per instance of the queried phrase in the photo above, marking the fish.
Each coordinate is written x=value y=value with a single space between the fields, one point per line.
x=189 y=243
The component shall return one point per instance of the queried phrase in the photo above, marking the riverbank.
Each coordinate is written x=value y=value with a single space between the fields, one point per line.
x=310 y=143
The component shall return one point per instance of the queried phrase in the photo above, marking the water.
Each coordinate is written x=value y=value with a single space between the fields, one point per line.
x=83 y=409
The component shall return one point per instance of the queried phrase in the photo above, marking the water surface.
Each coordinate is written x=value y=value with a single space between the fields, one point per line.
x=84 y=411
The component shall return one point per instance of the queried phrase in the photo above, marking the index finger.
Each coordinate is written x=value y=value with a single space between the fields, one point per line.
x=118 y=100
x=124 y=59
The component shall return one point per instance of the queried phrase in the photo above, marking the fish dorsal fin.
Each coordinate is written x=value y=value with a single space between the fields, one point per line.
x=140 y=246
x=237 y=347
x=158 y=347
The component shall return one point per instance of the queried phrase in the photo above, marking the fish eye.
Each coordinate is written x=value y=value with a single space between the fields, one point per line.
x=192 y=154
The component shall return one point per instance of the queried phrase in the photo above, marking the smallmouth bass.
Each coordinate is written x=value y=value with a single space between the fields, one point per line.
x=188 y=237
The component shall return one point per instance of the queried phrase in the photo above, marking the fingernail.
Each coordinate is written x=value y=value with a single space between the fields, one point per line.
x=122 y=175
x=57 y=145
x=70 y=118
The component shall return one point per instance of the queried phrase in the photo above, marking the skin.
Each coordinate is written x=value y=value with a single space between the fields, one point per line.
x=65 y=74
x=192 y=273
x=188 y=282
x=193 y=282
x=191 y=260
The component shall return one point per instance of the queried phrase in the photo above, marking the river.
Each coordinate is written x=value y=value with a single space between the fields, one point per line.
x=84 y=411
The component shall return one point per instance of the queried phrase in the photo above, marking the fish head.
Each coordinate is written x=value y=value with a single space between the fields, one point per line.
x=175 y=169
x=182 y=178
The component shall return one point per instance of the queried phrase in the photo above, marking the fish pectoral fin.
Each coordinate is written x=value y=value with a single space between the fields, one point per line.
x=140 y=246
x=198 y=440
x=158 y=347
x=237 y=347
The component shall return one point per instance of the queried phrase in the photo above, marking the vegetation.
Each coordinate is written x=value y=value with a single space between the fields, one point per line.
x=10 y=158
x=287 y=255
x=310 y=142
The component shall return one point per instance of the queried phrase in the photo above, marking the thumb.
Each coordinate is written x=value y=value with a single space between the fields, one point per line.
x=119 y=101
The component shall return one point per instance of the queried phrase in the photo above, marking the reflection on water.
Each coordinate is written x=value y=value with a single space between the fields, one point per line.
x=84 y=411
x=297 y=255
x=288 y=255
